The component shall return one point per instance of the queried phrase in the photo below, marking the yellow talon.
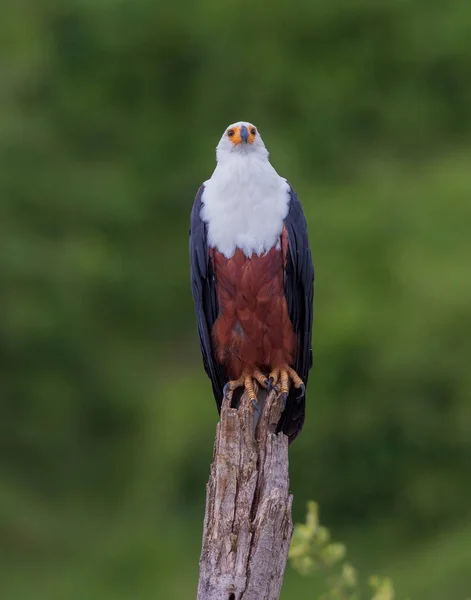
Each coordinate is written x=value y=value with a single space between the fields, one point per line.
x=298 y=382
x=248 y=384
x=284 y=382
x=260 y=377
x=246 y=381
x=286 y=374
x=234 y=384
x=274 y=376
x=283 y=376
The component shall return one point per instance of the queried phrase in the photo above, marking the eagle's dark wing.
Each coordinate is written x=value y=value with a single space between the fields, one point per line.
x=299 y=293
x=203 y=287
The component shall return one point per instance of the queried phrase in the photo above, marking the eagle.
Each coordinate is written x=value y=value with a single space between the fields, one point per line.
x=252 y=277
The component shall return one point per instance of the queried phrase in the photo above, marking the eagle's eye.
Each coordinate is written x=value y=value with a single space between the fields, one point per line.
x=230 y=133
x=253 y=131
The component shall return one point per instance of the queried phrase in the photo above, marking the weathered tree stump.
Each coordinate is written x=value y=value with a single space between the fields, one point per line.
x=248 y=524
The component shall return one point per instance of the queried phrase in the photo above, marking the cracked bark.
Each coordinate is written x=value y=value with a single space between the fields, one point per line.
x=248 y=524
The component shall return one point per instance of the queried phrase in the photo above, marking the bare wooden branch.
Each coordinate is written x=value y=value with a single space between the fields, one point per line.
x=248 y=524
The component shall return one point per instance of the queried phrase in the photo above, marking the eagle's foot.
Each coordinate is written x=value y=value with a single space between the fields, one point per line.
x=232 y=385
x=273 y=380
x=287 y=373
x=260 y=377
x=298 y=382
x=246 y=381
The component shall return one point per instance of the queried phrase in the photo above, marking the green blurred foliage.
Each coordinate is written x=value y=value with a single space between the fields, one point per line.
x=109 y=115
x=312 y=552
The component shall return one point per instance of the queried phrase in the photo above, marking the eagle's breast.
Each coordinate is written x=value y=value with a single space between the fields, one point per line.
x=253 y=328
x=244 y=208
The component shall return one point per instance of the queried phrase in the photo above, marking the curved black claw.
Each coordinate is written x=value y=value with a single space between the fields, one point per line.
x=226 y=389
x=302 y=387
x=284 y=395
x=270 y=385
x=255 y=405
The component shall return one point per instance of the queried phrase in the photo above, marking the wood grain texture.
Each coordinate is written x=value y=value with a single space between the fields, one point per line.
x=248 y=524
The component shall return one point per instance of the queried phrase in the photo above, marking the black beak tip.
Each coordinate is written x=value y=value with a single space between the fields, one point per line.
x=244 y=134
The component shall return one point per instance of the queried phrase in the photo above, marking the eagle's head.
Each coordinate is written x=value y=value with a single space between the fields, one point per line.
x=241 y=139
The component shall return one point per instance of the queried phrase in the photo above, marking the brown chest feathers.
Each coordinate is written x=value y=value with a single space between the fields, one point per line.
x=253 y=329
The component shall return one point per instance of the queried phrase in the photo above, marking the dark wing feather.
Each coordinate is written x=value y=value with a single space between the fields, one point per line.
x=299 y=293
x=203 y=287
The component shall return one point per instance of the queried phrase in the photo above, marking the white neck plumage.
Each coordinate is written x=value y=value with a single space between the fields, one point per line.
x=244 y=203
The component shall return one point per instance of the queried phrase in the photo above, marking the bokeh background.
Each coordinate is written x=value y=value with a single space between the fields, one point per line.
x=110 y=111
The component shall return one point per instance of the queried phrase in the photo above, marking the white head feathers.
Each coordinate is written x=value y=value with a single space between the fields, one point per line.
x=230 y=145
x=245 y=201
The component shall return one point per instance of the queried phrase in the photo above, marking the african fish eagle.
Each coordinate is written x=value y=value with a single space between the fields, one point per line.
x=252 y=277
